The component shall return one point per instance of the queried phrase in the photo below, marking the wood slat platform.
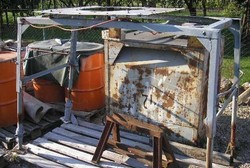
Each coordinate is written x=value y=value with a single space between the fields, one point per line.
x=3 y=162
x=73 y=146
x=31 y=130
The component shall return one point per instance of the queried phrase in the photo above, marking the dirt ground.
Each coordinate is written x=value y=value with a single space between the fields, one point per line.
x=221 y=139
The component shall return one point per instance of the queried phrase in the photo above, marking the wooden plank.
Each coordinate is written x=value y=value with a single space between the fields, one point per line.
x=97 y=135
x=182 y=149
x=184 y=161
x=7 y=139
x=3 y=162
x=124 y=134
x=56 y=157
x=39 y=161
x=86 y=157
x=91 y=149
x=199 y=153
x=44 y=125
x=75 y=136
x=11 y=129
x=6 y=135
x=33 y=130
x=53 y=117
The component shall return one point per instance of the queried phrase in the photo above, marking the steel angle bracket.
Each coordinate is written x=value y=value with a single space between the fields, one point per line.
x=116 y=49
x=23 y=24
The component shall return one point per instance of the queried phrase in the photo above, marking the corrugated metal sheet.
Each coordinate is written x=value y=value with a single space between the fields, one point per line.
x=166 y=87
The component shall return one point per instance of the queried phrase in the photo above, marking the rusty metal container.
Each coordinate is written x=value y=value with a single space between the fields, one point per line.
x=88 y=92
x=159 y=80
x=8 y=98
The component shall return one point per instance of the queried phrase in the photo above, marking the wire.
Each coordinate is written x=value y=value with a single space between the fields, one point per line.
x=71 y=30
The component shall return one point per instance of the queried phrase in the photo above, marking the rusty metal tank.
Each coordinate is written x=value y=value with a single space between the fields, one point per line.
x=8 y=98
x=159 y=80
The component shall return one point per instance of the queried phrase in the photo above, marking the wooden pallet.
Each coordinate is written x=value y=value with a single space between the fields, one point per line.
x=73 y=146
x=3 y=162
x=31 y=130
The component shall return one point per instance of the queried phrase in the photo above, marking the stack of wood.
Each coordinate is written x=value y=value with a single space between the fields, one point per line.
x=244 y=91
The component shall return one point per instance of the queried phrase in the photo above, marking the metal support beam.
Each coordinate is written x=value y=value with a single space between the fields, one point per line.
x=205 y=32
x=68 y=116
x=235 y=29
x=45 y=72
x=19 y=130
x=210 y=121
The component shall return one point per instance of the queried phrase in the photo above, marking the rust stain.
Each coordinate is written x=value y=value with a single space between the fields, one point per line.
x=168 y=114
x=161 y=71
x=126 y=81
x=168 y=99
x=148 y=71
x=115 y=96
x=139 y=85
x=157 y=94
x=114 y=104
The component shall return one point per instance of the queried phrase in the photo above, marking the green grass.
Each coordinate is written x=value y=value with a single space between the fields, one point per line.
x=228 y=65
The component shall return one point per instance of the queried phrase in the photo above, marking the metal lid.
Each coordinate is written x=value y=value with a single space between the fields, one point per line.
x=64 y=46
x=6 y=56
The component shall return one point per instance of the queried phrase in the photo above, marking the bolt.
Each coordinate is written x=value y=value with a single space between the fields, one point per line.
x=204 y=33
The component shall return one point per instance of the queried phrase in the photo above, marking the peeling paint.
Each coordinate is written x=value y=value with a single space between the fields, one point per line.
x=161 y=87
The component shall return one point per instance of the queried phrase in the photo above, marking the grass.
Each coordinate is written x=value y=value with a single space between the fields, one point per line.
x=228 y=65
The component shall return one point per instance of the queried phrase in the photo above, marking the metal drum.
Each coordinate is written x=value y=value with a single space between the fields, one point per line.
x=42 y=87
x=88 y=91
x=8 y=98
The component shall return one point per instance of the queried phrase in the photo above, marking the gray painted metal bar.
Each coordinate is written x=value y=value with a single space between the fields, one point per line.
x=148 y=27
x=72 y=64
x=20 y=129
x=210 y=121
x=45 y=72
x=235 y=29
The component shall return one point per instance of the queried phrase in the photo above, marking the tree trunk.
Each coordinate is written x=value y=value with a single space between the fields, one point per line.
x=152 y=3
x=80 y=2
x=55 y=5
x=144 y=3
x=1 y=20
x=204 y=7
x=108 y=3
x=191 y=7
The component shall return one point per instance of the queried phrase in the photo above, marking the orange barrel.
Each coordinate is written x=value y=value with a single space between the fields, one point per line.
x=8 y=96
x=88 y=92
x=48 y=91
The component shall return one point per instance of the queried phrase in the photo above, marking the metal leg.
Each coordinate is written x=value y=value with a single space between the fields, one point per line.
x=102 y=142
x=167 y=151
x=116 y=133
x=212 y=99
x=235 y=29
x=157 y=156
x=19 y=130
x=68 y=116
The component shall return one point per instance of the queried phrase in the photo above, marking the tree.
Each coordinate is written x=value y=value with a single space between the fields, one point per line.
x=191 y=4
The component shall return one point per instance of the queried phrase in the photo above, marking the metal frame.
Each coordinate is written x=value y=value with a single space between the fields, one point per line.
x=209 y=36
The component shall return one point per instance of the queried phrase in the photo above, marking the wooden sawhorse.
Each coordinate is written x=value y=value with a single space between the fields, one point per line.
x=160 y=141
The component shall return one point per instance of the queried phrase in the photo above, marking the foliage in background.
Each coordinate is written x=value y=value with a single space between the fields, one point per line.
x=233 y=10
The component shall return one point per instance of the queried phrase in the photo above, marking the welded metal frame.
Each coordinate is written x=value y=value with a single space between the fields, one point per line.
x=209 y=36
